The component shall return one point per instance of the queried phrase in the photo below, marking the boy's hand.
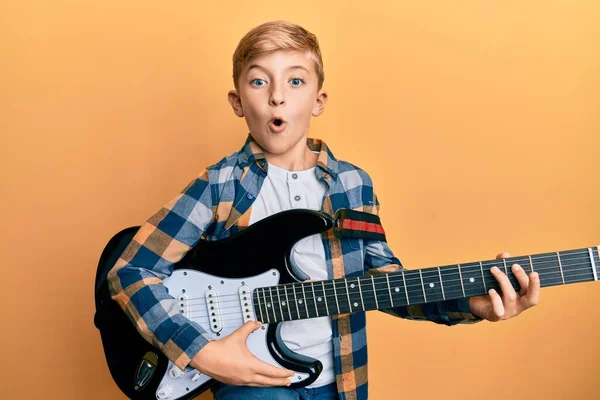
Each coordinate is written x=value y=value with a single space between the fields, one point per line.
x=494 y=308
x=229 y=360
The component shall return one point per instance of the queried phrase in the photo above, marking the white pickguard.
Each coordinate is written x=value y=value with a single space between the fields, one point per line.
x=192 y=286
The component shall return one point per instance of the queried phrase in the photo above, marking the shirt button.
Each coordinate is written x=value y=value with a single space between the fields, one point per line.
x=297 y=198
x=294 y=176
x=249 y=196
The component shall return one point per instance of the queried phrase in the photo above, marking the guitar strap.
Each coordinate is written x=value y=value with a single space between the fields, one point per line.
x=358 y=224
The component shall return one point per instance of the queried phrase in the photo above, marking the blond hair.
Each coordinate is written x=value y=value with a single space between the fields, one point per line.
x=276 y=35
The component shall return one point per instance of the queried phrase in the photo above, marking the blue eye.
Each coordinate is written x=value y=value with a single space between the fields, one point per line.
x=299 y=80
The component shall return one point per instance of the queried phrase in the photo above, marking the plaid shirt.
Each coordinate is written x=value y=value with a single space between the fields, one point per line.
x=218 y=203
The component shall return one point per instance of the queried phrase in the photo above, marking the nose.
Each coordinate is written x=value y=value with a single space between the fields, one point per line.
x=276 y=97
x=276 y=101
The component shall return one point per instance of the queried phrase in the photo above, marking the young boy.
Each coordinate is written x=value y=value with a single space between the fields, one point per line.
x=278 y=75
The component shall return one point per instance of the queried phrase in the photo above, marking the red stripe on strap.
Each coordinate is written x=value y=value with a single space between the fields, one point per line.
x=362 y=226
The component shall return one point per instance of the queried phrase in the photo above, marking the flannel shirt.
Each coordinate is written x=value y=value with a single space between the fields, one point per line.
x=218 y=203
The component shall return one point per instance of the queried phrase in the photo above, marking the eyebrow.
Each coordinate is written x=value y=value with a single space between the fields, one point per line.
x=264 y=69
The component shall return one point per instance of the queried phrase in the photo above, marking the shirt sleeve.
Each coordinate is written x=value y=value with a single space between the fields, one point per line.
x=136 y=279
x=379 y=258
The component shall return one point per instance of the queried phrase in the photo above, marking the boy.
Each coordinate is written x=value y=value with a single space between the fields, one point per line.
x=278 y=77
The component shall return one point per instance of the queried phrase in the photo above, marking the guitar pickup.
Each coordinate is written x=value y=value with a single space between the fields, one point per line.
x=247 y=311
x=212 y=306
x=183 y=304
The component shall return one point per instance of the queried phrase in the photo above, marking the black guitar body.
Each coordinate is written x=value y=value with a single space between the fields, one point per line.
x=263 y=246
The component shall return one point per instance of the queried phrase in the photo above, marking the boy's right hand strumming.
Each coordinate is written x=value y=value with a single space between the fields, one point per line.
x=229 y=360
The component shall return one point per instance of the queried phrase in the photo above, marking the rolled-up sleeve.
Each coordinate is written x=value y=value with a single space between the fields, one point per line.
x=136 y=279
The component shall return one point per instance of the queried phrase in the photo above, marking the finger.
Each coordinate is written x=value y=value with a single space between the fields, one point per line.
x=533 y=293
x=507 y=289
x=263 y=368
x=497 y=305
x=249 y=327
x=503 y=255
x=262 y=380
x=522 y=278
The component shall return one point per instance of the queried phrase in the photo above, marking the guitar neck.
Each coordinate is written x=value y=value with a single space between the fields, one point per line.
x=303 y=300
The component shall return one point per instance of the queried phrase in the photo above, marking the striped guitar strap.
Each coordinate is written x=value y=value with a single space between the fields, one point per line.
x=357 y=224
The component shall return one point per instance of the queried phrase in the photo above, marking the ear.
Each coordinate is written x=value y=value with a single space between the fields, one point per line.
x=319 y=106
x=236 y=102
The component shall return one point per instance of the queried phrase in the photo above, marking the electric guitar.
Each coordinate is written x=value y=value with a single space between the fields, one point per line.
x=249 y=276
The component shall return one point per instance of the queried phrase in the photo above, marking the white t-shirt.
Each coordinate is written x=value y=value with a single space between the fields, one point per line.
x=284 y=190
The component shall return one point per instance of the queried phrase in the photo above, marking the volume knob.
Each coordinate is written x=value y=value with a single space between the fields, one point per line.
x=165 y=391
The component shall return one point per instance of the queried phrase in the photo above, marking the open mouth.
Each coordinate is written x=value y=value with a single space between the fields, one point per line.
x=277 y=121
x=277 y=124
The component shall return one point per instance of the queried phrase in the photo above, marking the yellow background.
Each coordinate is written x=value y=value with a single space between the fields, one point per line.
x=478 y=121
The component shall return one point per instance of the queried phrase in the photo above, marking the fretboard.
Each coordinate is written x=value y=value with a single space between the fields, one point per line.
x=315 y=299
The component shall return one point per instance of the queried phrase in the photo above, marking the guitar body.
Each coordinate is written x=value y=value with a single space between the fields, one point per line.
x=224 y=271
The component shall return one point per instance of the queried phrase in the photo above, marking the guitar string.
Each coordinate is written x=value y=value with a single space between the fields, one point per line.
x=395 y=277
x=367 y=293
x=368 y=296
x=278 y=319
x=464 y=268
x=449 y=287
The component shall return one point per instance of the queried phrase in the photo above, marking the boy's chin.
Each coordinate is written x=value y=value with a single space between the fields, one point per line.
x=277 y=145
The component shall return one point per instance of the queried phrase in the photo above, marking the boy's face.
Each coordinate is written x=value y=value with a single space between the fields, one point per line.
x=280 y=84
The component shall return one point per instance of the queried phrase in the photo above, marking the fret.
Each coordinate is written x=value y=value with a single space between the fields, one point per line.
x=431 y=279
x=423 y=286
x=413 y=286
x=272 y=304
x=577 y=267
x=380 y=284
x=531 y=263
x=305 y=302
x=375 y=292
x=288 y=303
x=319 y=298
x=441 y=284
x=315 y=298
x=505 y=268
x=387 y=277
x=471 y=274
x=348 y=294
x=325 y=298
x=279 y=300
x=360 y=291
x=354 y=291
x=296 y=301
x=405 y=289
x=562 y=275
x=594 y=271
x=461 y=282
x=262 y=318
x=336 y=297
x=266 y=305
x=451 y=284
x=482 y=277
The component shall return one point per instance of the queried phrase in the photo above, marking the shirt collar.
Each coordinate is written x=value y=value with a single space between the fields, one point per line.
x=326 y=162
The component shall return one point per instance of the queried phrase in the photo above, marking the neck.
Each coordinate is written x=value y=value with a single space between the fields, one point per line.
x=304 y=300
